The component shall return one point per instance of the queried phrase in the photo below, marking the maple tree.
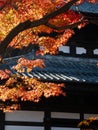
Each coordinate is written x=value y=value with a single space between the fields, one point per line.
x=24 y=22
x=88 y=123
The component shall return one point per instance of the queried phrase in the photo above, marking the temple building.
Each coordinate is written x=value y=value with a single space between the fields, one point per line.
x=76 y=65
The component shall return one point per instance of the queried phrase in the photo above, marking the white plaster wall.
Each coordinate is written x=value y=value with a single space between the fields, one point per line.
x=23 y=128
x=65 y=49
x=60 y=128
x=29 y=116
x=86 y=116
x=65 y=115
x=80 y=50
x=36 y=116
x=96 y=51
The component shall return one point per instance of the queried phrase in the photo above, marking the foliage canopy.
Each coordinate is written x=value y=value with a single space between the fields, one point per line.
x=24 y=22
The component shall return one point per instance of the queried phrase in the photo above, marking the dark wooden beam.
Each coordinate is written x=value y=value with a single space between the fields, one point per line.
x=47 y=120
x=2 y=120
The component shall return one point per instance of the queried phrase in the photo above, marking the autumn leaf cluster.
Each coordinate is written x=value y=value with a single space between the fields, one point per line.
x=17 y=89
x=19 y=11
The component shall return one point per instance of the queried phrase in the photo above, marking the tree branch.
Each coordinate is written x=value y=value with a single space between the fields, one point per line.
x=63 y=9
x=70 y=26
x=30 y=24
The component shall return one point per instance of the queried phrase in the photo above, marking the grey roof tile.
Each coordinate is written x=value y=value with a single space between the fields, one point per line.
x=65 y=69
x=87 y=7
x=70 y=69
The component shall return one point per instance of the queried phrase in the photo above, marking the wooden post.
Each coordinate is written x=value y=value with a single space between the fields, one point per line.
x=73 y=50
x=2 y=120
x=89 y=51
x=47 y=120
x=81 y=118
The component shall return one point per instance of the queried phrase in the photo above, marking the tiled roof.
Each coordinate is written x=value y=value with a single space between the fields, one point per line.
x=87 y=7
x=65 y=69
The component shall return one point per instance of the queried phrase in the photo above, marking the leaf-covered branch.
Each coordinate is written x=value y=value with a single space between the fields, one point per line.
x=70 y=26
x=30 y=24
